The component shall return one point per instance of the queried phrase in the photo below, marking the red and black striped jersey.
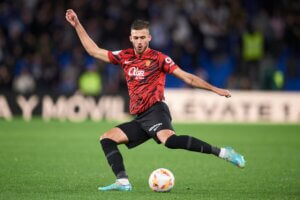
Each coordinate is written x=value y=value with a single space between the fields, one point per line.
x=145 y=75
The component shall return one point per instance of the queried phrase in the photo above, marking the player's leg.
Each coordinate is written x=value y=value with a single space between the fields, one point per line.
x=109 y=141
x=130 y=134
x=172 y=141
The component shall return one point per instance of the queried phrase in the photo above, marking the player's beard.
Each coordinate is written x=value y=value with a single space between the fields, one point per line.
x=140 y=49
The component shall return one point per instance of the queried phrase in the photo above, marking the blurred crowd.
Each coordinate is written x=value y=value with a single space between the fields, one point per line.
x=237 y=44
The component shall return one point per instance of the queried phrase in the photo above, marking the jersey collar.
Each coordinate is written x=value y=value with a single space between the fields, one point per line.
x=144 y=55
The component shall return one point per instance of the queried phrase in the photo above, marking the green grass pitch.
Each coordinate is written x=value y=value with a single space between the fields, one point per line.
x=56 y=160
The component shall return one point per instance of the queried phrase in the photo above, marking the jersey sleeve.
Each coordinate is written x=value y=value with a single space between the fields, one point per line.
x=168 y=65
x=115 y=57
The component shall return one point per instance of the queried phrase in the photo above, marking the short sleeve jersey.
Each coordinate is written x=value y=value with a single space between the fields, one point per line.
x=145 y=75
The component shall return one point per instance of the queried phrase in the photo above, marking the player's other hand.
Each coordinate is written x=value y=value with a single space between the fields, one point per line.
x=222 y=92
x=71 y=17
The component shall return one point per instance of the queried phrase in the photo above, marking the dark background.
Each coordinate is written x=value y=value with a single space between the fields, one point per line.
x=205 y=37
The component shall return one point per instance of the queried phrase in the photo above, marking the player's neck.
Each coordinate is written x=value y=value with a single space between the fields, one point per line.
x=140 y=54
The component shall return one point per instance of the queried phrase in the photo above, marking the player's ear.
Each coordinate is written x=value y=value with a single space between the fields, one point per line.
x=149 y=37
x=130 y=38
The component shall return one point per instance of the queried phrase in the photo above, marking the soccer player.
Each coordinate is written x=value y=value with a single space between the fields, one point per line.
x=145 y=70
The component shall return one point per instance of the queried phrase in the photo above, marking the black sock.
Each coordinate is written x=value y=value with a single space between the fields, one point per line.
x=190 y=143
x=215 y=150
x=114 y=157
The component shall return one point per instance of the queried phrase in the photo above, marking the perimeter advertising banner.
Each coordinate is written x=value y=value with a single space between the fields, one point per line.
x=186 y=105
x=197 y=105
x=75 y=108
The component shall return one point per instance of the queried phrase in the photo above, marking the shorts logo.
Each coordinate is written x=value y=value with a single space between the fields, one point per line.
x=155 y=127
x=134 y=71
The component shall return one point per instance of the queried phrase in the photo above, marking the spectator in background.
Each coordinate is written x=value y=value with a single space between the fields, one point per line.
x=160 y=34
x=271 y=78
x=24 y=82
x=253 y=52
x=213 y=24
x=5 y=78
x=90 y=82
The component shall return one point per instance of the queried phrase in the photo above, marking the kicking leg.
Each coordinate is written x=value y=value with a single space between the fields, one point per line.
x=109 y=141
x=172 y=141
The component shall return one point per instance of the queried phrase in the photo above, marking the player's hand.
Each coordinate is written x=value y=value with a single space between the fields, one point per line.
x=71 y=17
x=222 y=92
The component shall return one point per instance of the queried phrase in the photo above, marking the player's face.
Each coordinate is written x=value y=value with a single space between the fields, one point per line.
x=140 y=40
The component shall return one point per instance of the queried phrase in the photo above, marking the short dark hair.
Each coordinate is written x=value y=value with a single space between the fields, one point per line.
x=139 y=24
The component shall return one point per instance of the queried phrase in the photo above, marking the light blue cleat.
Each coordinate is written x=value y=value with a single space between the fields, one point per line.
x=116 y=187
x=234 y=158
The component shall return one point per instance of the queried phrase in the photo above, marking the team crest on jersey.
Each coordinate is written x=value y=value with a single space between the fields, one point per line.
x=147 y=63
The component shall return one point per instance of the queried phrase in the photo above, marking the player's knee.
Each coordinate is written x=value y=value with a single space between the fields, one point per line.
x=116 y=135
x=104 y=136
x=164 y=135
x=101 y=137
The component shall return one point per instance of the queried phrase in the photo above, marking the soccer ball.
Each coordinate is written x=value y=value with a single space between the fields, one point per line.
x=161 y=180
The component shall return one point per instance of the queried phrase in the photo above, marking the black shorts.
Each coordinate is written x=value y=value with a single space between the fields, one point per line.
x=147 y=124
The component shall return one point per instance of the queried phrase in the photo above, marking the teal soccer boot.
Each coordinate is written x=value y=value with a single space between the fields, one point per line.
x=234 y=158
x=116 y=187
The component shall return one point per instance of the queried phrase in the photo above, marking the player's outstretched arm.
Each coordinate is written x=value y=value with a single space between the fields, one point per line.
x=197 y=82
x=89 y=45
